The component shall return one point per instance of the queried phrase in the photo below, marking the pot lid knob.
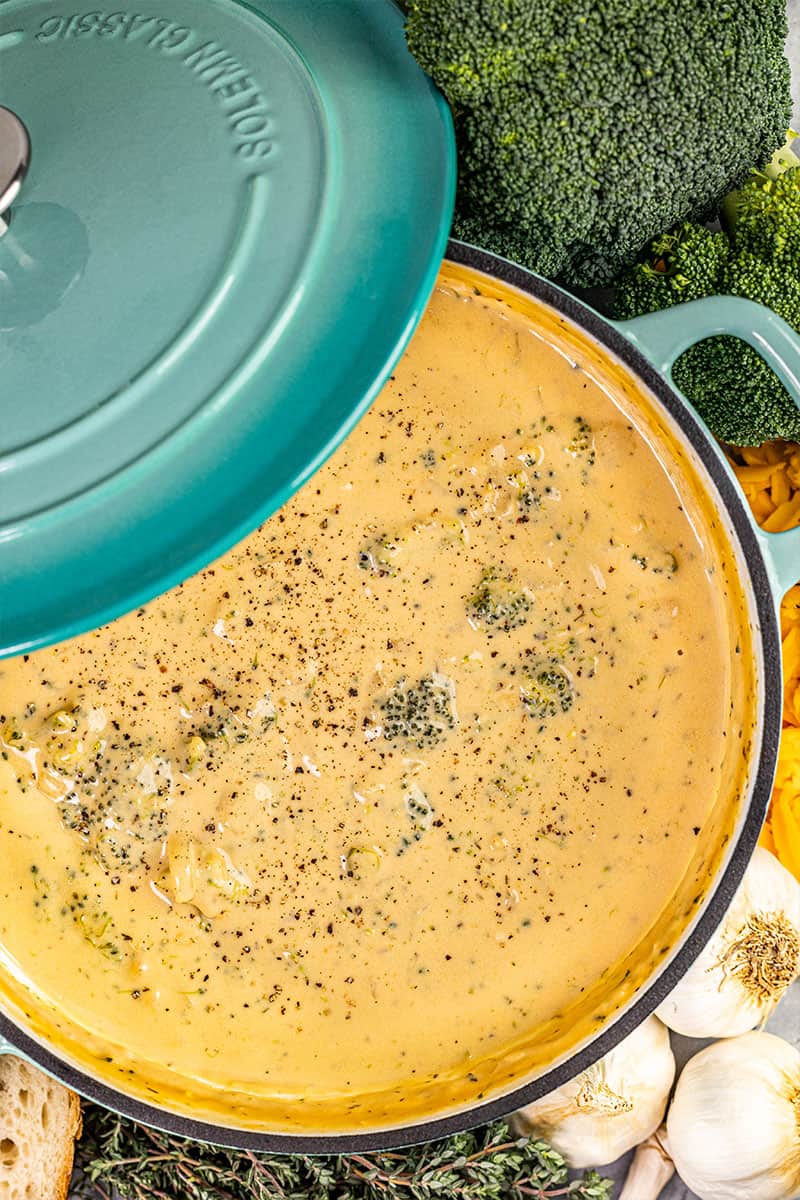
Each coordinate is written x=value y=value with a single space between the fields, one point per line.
x=15 y=156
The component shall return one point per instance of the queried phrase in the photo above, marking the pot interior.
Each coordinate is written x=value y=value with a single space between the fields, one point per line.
x=351 y=940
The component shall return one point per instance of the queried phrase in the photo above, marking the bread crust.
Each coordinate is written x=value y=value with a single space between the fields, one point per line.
x=39 y=1122
x=75 y=1120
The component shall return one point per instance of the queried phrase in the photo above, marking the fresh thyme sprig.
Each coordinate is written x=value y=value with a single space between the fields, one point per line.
x=115 y=1155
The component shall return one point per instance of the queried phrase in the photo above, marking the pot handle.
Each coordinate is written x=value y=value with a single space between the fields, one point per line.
x=663 y=336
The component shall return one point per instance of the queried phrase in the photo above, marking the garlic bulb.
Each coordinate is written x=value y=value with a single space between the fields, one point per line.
x=733 y=1128
x=610 y=1107
x=750 y=961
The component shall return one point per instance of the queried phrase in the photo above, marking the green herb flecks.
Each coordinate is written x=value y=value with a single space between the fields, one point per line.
x=581 y=444
x=420 y=813
x=662 y=562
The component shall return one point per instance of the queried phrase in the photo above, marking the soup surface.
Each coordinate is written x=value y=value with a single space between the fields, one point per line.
x=362 y=820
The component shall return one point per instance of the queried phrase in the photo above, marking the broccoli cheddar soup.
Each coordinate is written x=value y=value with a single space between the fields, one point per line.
x=407 y=794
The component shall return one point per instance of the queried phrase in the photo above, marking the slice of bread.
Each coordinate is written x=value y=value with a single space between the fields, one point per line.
x=39 y=1121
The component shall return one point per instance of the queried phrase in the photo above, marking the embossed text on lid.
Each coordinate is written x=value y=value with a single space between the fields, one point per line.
x=232 y=221
x=183 y=187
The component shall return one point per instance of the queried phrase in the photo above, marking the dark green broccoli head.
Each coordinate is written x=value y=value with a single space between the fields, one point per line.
x=738 y=396
x=684 y=264
x=547 y=691
x=419 y=715
x=586 y=127
x=498 y=603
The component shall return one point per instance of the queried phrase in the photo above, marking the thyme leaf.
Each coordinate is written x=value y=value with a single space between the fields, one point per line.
x=116 y=1156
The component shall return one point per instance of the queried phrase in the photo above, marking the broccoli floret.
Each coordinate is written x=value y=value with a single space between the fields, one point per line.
x=734 y=390
x=586 y=127
x=685 y=264
x=548 y=691
x=581 y=444
x=497 y=604
x=738 y=396
x=422 y=714
x=763 y=217
x=736 y=393
x=379 y=555
x=768 y=220
x=766 y=283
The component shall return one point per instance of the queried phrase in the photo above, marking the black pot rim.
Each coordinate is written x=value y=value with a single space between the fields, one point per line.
x=716 y=904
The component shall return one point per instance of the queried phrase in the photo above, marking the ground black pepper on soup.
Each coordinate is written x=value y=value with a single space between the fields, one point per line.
x=360 y=814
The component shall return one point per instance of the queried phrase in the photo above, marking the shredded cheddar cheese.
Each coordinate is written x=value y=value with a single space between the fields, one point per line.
x=770 y=478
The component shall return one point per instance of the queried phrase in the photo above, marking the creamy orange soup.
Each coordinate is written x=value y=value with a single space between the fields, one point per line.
x=408 y=792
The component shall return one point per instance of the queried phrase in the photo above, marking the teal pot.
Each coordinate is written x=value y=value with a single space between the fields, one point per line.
x=647 y=347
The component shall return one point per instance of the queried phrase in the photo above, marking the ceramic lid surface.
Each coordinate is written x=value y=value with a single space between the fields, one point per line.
x=231 y=222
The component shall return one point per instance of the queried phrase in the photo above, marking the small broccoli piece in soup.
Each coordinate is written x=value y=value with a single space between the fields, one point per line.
x=420 y=714
x=581 y=444
x=497 y=604
x=547 y=691
x=379 y=555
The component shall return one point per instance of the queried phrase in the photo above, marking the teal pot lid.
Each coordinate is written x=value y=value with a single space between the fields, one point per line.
x=231 y=222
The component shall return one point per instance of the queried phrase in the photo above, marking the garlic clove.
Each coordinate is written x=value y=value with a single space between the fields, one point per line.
x=651 y=1169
